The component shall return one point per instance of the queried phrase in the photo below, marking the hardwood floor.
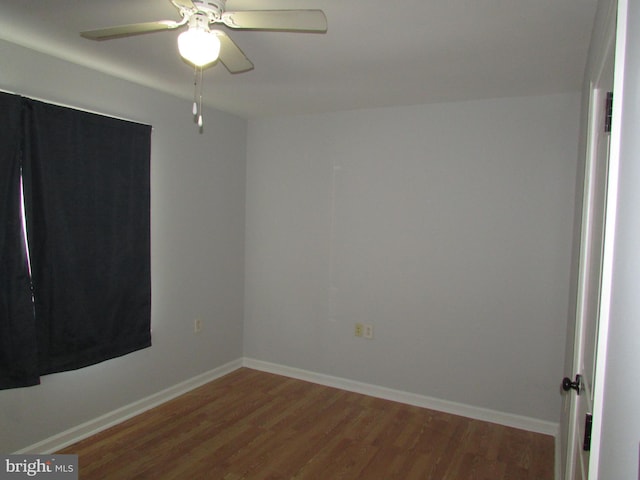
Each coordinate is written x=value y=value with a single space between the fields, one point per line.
x=255 y=425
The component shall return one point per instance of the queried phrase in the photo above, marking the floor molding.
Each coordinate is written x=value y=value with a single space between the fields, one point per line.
x=82 y=431
x=477 y=413
x=110 y=419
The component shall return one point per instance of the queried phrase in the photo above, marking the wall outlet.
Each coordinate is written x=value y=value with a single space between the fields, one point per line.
x=368 y=332
x=359 y=330
x=197 y=325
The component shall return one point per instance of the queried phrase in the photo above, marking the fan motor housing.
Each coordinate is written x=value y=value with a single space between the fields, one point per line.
x=212 y=8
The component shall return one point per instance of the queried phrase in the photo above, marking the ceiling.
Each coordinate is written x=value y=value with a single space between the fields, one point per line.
x=376 y=53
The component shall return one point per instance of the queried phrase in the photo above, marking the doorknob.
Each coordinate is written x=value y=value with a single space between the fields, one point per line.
x=567 y=384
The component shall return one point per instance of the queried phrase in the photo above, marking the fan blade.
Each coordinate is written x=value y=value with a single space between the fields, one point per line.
x=131 y=29
x=231 y=56
x=287 y=20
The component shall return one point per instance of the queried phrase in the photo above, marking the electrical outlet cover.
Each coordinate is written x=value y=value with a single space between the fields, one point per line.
x=197 y=325
x=368 y=332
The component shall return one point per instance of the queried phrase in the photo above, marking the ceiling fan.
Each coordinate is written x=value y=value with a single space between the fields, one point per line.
x=202 y=45
x=201 y=14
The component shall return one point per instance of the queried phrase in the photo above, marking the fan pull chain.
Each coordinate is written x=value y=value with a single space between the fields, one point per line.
x=197 y=97
x=200 y=123
x=195 y=93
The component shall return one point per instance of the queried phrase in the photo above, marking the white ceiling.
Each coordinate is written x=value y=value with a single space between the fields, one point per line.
x=376 y=53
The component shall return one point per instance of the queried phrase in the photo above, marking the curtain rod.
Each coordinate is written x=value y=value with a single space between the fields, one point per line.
x=86 y=110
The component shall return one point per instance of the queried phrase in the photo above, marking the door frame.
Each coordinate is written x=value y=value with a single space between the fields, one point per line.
x=608 y=38
x=618 y=27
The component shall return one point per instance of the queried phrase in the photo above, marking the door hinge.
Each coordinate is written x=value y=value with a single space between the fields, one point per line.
x=588 y=421
x=608 y=112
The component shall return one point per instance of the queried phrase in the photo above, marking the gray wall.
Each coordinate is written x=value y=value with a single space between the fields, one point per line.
x=620 y=438
x=447 y=227
x=198 y=194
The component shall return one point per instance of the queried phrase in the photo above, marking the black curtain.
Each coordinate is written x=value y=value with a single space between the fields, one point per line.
x=18 y=350
x=87 y=195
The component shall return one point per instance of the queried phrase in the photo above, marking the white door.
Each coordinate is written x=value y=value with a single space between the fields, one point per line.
x=588 y=308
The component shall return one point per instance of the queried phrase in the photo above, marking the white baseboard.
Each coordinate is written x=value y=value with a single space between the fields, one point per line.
x=477 y=413
x=115 y=417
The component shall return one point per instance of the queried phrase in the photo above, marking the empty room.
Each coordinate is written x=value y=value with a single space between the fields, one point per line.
x=357 y=240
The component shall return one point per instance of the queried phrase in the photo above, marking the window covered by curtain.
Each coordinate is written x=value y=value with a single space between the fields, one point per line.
x=86 y=186
x=18 y=351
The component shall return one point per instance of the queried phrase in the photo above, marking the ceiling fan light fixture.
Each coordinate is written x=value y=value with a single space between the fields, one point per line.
x=199 y=46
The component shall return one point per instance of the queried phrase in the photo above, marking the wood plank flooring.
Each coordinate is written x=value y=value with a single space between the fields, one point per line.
x=255 y=425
